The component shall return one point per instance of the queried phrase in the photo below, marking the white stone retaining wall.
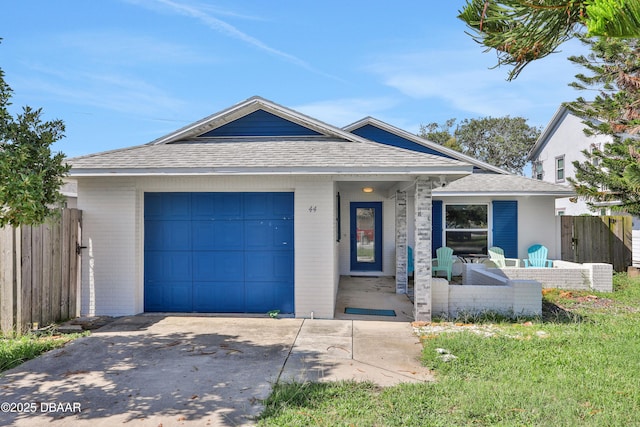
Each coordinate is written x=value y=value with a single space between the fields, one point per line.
x=510 y=297
x=563 y=275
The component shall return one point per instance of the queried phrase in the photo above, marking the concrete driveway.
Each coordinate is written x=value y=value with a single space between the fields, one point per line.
x=164 y=371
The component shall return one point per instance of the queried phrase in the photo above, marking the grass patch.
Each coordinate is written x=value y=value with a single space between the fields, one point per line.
x=576 y=365
x=17 y=350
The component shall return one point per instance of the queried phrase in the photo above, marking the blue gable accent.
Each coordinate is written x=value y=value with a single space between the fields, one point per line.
x=436 y=226
x=505 y=226
x=261 y=123
x=382 y=136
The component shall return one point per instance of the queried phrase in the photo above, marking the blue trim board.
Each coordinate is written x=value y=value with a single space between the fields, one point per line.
x=261 y=123
x=374 y=133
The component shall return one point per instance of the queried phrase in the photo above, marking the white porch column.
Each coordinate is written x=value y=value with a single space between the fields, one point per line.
x=401 y=242
x=422 y=251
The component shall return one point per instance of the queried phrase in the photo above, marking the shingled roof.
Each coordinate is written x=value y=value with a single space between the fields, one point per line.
x=324 y=149
x=480 y=184
x=308 y=155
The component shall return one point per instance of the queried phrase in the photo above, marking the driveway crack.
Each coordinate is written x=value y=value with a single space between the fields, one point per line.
x=290 y=351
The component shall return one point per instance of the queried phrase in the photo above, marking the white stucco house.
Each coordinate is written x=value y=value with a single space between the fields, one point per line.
x=560 y=144
x=259 y=207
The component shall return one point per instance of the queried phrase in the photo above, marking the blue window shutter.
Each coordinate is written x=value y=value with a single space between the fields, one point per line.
x=436 y=226
x=505 y=226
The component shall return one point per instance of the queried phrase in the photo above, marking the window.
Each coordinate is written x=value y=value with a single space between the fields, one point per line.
x=560 y=169
x=467 y=228
x=538 y=173
x=594 y=159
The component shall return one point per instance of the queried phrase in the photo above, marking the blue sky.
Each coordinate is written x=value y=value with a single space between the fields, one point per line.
x=124 y=72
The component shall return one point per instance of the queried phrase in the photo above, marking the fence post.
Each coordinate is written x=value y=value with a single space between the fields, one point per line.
x=7 y=280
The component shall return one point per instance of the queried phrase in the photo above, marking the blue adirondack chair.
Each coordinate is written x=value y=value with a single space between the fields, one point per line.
x=537 y=257
x=496 y=255
x=443 y=261
x=410 y=266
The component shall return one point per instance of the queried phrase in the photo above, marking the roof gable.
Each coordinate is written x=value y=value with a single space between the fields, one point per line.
x=384 y=133
x=558 y=117
x=255 y=117
x=377 y=134
x=260 y=123
x=260 y=137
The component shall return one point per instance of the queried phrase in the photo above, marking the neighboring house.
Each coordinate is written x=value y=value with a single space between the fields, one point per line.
x=561 y=143
x=69 y=190
x=259 y=207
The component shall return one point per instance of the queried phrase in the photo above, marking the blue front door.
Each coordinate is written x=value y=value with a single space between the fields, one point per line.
x=366 y=236
x=218 y=252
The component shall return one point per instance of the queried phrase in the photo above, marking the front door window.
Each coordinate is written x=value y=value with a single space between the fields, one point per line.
x=366 y=236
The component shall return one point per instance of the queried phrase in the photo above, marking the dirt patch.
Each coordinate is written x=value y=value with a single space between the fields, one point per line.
x=573 y=301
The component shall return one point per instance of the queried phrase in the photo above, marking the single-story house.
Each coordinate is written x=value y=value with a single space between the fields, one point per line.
x=259 y=208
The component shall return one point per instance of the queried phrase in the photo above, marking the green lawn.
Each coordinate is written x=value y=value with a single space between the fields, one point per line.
x=14 y=351
x=577 y=365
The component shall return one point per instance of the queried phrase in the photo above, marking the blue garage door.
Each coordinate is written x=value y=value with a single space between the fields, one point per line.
x=218 y=252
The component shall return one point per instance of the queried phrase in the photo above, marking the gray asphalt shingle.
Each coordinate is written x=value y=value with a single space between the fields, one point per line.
x=264 y=153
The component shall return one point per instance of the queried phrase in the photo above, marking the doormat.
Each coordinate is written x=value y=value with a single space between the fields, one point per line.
x=369 y=311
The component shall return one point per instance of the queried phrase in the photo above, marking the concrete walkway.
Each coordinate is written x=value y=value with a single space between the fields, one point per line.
x=197 y=371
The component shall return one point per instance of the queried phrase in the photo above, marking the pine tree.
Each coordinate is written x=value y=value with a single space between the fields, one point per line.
x=613 y=173
x=522 y=31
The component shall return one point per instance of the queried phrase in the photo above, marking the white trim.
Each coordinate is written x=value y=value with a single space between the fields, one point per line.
x=78 y=172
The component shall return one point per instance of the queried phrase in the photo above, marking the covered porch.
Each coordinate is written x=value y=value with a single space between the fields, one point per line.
x=376 y=224
x=374 y=293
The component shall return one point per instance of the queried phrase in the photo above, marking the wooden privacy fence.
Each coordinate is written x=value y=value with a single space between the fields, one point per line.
x=40 y=272
x=597 y=239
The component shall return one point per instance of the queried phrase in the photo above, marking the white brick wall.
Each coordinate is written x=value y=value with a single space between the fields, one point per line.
x=113 y=231
x=109 y=269
x=511 y=297
x=566 y=275
x=523 y=298
x=315 y=277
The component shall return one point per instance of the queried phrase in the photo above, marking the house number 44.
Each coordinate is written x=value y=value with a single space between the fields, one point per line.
x=312 y=208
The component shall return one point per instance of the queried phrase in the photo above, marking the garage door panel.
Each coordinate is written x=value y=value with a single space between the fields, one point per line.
x=168 y=296
x=284 y=295
x=228 y=206
x=169 y=235
x=262 y=297
x=173 y=206
x=283 y=205
x=269 y=235
x=216 y=206
x=268 y=205
x=213 y=266
x=268 y=266
x=168 y=266
x=218 y=235
x=219 y=297
x=258 y=206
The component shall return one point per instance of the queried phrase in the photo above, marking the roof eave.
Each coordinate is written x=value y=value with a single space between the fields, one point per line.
x=547 y=132
x=446 y=193
x=95 y=172
x=424 y=142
